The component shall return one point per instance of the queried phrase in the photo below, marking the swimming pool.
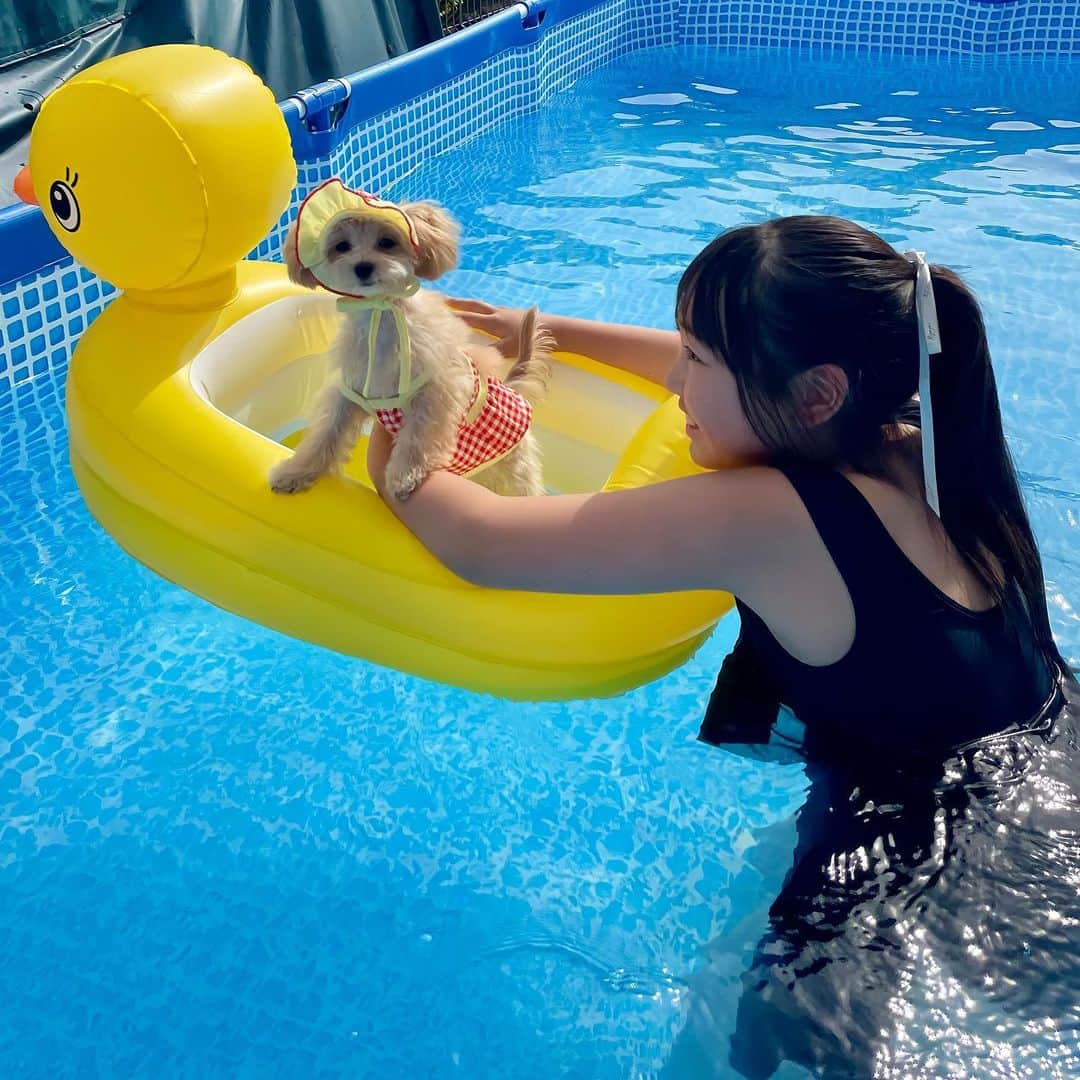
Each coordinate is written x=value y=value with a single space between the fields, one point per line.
x=227 y=853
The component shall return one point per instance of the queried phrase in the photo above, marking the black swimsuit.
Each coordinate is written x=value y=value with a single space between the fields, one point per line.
x=923 y=674
x=940 y=827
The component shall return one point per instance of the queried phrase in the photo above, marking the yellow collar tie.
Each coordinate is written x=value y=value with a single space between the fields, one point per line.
x=408 y=385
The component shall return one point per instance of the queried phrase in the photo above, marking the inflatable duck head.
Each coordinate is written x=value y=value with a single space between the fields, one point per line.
x=161 y=168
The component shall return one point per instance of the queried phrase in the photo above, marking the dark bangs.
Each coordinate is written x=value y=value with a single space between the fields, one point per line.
x=728 y=300
x=707 y=300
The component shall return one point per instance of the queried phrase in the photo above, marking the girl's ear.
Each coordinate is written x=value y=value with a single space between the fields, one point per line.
x=820 y=393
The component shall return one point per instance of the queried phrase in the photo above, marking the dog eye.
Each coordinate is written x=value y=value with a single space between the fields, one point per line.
x=387 y=243
x=342 y=246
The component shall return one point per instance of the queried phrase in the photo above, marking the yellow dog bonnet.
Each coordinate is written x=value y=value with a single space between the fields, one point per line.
x=332 y=201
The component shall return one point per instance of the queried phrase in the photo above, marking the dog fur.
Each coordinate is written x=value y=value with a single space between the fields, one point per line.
x=369 y=256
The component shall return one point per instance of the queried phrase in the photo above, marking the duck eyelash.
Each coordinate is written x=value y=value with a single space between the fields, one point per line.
x=68 y=178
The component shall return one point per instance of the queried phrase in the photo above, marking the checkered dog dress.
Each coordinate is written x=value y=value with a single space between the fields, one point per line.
x=494 y=425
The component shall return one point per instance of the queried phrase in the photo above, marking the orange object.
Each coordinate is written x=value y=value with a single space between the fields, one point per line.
x=24 y=186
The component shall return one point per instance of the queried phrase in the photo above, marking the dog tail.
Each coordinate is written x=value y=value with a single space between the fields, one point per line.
x=531 y=372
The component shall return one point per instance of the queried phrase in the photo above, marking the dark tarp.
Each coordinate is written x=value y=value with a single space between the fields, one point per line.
x=290 y=43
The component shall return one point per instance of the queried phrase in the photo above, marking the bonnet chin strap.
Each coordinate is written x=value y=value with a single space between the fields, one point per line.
x=407 y=388
x=929 y=345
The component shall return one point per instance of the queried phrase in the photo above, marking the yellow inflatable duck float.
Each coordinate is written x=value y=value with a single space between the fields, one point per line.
x=160 y=170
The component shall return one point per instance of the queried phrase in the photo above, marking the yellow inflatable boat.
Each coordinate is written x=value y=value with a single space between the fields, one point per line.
x=159 y=170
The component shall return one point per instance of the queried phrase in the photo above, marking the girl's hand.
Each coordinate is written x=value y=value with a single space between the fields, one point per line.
x=503 y=323
x=637 y=349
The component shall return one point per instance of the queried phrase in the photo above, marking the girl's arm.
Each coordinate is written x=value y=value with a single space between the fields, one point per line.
x=713 y=531
x=638 y=349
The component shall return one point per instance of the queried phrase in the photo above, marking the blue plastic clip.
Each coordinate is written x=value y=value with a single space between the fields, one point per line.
x=321 y=110
x=535 y=11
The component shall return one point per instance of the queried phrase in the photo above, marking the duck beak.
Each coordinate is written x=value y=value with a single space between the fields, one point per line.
x=24 y=188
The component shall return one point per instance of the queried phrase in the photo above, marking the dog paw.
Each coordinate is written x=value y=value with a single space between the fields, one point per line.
x=288 y=480
x=403 y=485
x=402 y=491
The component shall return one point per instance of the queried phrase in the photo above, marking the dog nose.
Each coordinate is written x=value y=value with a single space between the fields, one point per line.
x=363 y=270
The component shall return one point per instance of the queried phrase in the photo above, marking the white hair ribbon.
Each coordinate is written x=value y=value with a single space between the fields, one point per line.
x=929 y=345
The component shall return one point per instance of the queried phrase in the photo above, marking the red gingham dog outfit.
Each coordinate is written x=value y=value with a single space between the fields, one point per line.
x=496 y=422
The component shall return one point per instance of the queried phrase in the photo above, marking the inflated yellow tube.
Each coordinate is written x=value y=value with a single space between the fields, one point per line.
x=182 y=393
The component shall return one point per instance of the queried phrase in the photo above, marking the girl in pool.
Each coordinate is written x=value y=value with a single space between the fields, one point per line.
x=862 y=507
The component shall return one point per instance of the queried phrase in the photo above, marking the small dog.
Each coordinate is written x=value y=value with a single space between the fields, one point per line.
x=366 y=253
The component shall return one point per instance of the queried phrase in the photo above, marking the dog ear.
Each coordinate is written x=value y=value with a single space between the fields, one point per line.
x=437 y=232
x=298 y=273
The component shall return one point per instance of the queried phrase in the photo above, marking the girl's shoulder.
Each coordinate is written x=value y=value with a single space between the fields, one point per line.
x=761 y=527
x=810 y=519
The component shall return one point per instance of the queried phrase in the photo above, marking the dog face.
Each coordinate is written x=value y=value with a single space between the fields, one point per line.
x=364 y=256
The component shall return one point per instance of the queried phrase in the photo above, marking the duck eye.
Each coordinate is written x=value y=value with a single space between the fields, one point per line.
x=387 y=243
x=64 y=205
x=342 y=246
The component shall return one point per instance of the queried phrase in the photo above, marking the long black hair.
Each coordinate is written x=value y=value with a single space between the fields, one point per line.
x=777 y=299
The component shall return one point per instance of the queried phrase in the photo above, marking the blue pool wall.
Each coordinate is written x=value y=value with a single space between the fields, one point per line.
x=374 y=128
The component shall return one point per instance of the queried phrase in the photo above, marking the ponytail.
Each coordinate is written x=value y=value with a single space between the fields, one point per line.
x=982 y=508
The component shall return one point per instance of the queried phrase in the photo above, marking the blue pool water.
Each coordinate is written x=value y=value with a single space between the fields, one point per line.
x=224 y=853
